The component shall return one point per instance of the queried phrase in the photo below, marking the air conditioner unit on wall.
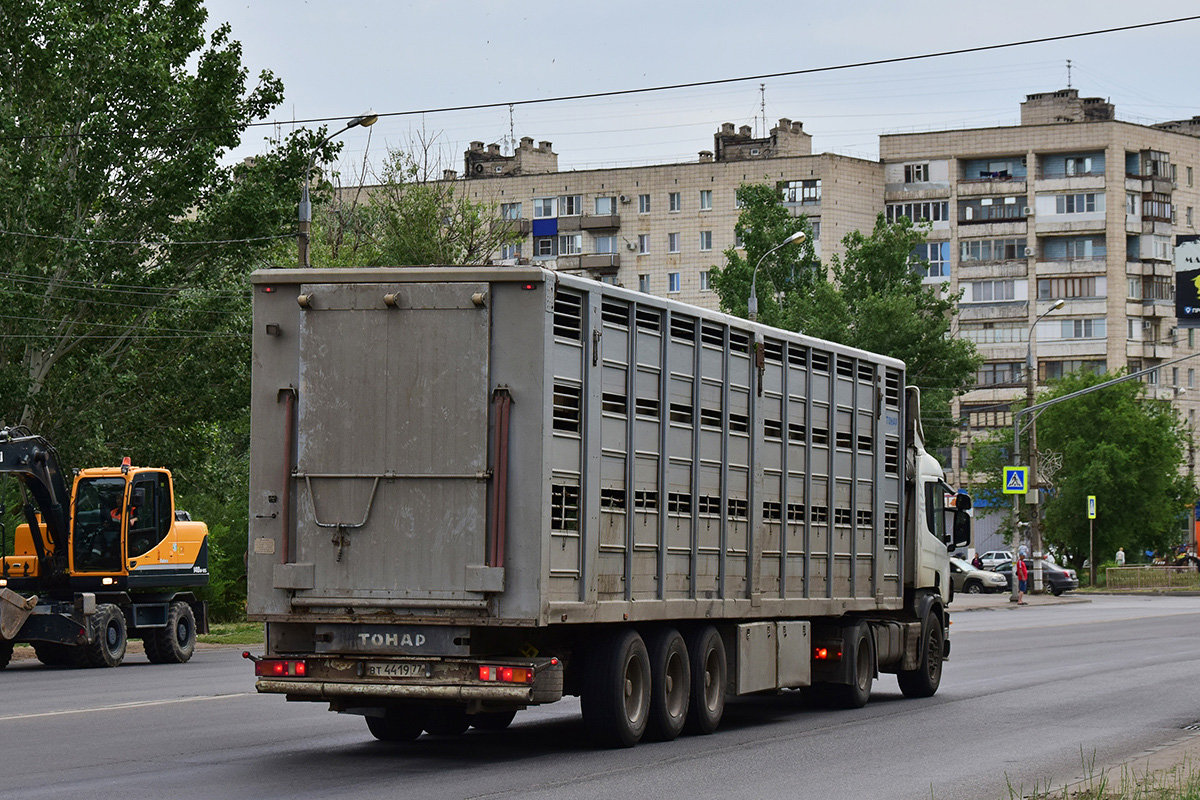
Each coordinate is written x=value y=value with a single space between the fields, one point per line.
x=624 y=198
x=1028 y=252
x=1027 y=211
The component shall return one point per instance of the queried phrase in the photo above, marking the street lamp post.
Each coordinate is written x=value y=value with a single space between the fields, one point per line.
x=305 y=223
x=752 y=304
x=1035 y=527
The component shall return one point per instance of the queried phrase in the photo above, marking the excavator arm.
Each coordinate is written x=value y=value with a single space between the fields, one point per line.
x=34 y=463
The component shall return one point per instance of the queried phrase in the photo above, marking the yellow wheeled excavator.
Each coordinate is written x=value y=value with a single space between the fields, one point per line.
x=113 y=559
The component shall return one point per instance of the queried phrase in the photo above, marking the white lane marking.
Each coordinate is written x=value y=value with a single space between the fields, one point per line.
x=124 y=706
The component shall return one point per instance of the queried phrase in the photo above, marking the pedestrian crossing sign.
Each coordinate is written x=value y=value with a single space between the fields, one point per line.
x=1016 y=480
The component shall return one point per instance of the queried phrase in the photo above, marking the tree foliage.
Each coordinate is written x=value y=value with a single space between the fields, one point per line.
x=876 y=300
x=1129 y=455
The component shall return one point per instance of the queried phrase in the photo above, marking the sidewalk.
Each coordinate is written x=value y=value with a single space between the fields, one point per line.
x=1003 y=600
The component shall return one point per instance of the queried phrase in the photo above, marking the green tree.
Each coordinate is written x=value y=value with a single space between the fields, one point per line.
x=406 y=218
x=1130 y=455
x=876 y=300
x=127 y=241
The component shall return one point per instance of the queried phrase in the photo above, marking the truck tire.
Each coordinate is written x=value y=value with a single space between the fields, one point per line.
x=856 y=694
x=6 y=651
x=925 y=679
x=670 y=685
x=616 y=691
x=108 y=649
x=175 y=643
x=396 y=725
x=492 y=720
x=710 y=672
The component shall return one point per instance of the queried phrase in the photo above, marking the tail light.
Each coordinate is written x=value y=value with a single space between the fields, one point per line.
x=279 y=668
x=505 y=674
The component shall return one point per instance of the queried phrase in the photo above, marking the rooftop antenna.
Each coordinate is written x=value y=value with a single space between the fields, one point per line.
x=1068 y=73
x=762 y=92
x=511 y=145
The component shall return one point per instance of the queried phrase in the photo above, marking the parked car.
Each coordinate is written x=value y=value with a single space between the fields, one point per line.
x=993 y=557
x=1057 y=579
x=974 y=581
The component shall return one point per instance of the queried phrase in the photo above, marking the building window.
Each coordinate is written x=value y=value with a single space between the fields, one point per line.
x=570 y=244
x=933 y=211
x=989 y=209
x=994 y=332
x=706 y=199
x=738 y=242
x=510 y=251
x=643 y=244
x=916 y=173
x=1067 y=288
x=802 y=192
x=1072 y=329
x=1156 y=206
x=545 y=207
x=672 y=242
x=572 y=205
x=1074 y=203
x=676 y=201
x=643 y=204
x=673 y=282
x=510 y=211
x=606 y=244
x=1079 y=165
x=644 y=284
x=1191 y=377
x=932 y=259
x=992 y=291
x=1054 y=370
x=991 y=250
x=1131 y=204
x=988 y=416
x=1000 y=373
x=543 y=246
x=1188 y=216
x=1189 y=174
x=705 y=286
x=706 y=240
x=606 y=206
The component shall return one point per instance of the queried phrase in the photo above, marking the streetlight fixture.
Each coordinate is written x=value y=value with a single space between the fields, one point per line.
x=752 y=305
x=1035 y=528
x=302 y=230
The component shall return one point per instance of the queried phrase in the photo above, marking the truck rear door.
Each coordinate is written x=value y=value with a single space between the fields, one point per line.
x=391 y=488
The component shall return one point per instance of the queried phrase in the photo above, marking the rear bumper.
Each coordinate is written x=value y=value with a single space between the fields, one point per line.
x=324 y=691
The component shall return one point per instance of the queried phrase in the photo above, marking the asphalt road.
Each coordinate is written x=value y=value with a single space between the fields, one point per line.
x=1029 y=695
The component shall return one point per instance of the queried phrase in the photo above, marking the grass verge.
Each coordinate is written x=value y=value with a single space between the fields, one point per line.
x=233 y=633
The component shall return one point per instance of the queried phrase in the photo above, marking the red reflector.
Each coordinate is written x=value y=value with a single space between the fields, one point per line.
x=268 y=289
x=528 y=286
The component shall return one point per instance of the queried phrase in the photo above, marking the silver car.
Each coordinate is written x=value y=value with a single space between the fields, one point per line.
x=966 y=578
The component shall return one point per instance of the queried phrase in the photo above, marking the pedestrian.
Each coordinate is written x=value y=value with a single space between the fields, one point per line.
x=1120 y=556
x=977 y=562
x=1022 y=581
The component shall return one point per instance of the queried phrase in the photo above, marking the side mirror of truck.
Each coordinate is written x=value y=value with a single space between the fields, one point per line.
x=962 y=528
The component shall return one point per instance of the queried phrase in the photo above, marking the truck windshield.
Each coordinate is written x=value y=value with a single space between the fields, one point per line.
x=97 y=524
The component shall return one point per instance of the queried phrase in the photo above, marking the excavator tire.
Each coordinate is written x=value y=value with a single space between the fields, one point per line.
x=108 y=649
x=175 y=643
x=6 y=651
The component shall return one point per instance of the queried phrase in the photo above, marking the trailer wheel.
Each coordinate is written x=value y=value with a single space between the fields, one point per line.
x=447 y=721
x=6 y=651
x=175 y=643
x=396 y=726
x=670 y=685
x=856 y=695
x=616 y=692
x=710 y=672
x=925 y=679
x=108 y=650
x=492 y=720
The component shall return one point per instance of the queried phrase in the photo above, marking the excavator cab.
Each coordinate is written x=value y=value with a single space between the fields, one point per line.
x=98 y=518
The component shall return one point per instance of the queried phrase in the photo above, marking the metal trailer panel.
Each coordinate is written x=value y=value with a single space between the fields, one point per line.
x=663 y=461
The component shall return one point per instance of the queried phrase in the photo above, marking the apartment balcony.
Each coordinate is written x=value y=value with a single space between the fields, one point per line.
x=893 y=193
x=1148 y=183
x=998 y=228
x=983 y=187
x=592 y=222
x=570 y=223
x=1072 y=266
x=1071 y=183
x=600 y=261
x=521 y=226
x=1152 y=350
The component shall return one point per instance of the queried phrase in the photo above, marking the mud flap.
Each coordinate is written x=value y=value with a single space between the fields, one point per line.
x=14 y=610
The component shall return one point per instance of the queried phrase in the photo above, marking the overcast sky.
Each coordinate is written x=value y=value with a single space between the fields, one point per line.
x=338 y=59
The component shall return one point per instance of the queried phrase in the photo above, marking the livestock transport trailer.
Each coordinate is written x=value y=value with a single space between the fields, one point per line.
x=477 y=489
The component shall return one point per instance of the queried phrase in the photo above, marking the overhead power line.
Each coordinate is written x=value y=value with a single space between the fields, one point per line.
x=143 y=243
x=644 y=90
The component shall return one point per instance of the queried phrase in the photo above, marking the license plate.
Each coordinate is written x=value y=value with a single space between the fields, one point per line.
x=397 y=669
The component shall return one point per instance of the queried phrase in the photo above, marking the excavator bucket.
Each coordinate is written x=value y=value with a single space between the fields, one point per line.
x=14 y=610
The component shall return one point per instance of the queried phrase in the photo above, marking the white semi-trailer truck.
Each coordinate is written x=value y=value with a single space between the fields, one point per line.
x=478 y=489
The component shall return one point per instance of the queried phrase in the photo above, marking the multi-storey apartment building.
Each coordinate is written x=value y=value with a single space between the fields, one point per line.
x=1071 y=204
x=661 y=228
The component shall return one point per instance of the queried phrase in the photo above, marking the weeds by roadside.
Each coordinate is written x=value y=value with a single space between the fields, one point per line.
x=1179 y=782
x=233 y=633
